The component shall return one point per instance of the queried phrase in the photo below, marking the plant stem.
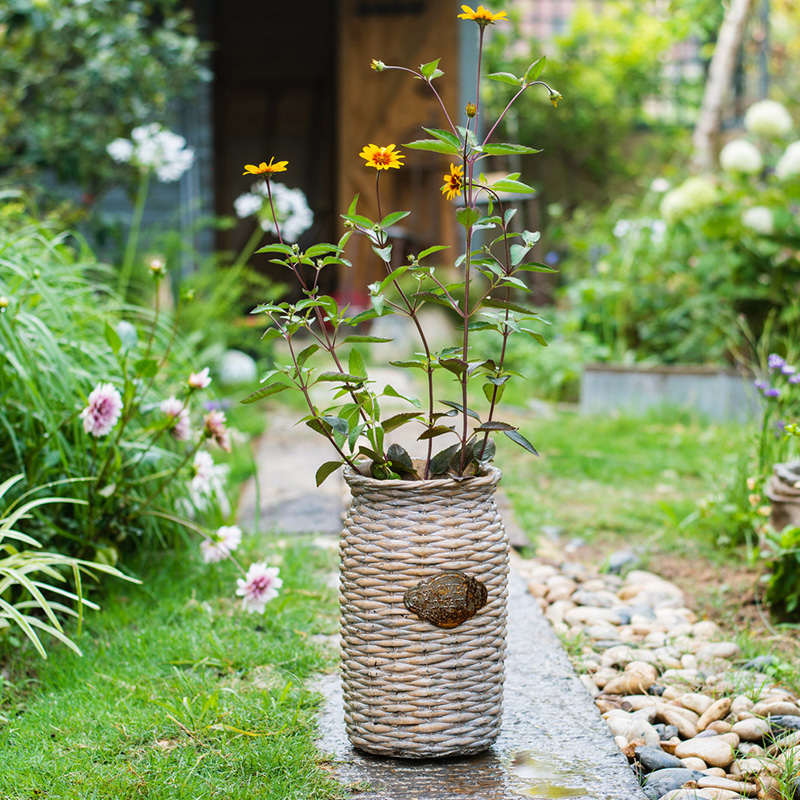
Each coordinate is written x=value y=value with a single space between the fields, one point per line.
x=133 y=234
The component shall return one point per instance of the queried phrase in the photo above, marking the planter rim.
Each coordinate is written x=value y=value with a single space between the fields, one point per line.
x=667 y=369
x=489 y=476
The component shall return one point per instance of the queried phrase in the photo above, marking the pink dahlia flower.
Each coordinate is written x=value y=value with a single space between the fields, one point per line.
x=221 y=544
x=215 y=429
x=103 y=411
x=199 y=380
x=178 y=418
x=258 y=587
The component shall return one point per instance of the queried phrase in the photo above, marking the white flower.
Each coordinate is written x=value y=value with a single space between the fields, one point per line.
x=740 y=156
x=768 y=118
x=759 y=219
x=236 y=367
x=788 y=165
x=258 y=587
x=693 y=195
x=659 y=186
x=154 y=148
x=221 y=544
x=291 y=208
x=121 y=150
x=621 y=228
x=208 y=482
x=247 y=204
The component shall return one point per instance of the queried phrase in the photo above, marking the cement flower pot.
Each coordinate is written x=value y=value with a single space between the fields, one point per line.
x=423 y=595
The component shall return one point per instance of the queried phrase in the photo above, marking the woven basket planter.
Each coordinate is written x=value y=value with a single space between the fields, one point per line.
x=413 y=689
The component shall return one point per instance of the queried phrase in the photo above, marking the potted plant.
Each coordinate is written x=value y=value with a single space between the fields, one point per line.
x=424 y=557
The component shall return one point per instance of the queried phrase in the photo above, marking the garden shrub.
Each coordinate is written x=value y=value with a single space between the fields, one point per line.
x=100 y=398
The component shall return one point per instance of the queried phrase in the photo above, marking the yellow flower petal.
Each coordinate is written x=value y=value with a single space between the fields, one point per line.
x=265 y=169
x=381 y=157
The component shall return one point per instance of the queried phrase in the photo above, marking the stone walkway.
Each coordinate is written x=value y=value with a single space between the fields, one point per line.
x=553 y=741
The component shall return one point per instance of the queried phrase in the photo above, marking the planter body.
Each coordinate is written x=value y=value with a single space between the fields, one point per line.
x=784 y=496
x=412 y=689
x=716 y=394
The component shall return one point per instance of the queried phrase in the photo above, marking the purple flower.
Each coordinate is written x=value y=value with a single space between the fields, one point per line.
x=216 y=405
x=775 y=361
x=258 y=587
x=788 y=369
x=214 y=428
x=794 y=378
x=772 y=392
x=780 y=426
x=761 y=385
x=103 y=411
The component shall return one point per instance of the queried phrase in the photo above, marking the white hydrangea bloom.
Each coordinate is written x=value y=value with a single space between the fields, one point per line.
x=768 y=118
x=741 y=157
x=152 y=147
x=693 y=195
x=788 y=165
x=291 y=208
x=759 y=219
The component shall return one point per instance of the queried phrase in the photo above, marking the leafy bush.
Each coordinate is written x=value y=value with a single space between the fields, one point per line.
x=23 y=574
x=100 y=390
x=781 y=552
x=75 y=75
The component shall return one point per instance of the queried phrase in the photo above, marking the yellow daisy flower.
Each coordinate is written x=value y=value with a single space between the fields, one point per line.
x=482 y=16
x=381 y=157
x=454 y=182
x=265 y=169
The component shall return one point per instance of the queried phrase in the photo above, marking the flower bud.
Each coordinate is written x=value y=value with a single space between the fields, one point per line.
x=156 y=268
x=471 y=110
x=555 y=97
x=378 y=66
x=3 y=303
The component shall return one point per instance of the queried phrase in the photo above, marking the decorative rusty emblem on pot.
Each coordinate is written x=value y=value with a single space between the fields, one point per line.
x=447 y=599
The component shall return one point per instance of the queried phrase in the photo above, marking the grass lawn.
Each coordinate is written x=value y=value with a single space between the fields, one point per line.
x=179 y=694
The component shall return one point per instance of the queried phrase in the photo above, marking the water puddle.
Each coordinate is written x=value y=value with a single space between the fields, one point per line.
x=533 y=775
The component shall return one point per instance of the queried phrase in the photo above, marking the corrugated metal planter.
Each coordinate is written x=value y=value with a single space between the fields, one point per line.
x=714 y=393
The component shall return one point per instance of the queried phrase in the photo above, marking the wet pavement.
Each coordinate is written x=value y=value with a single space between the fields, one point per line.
x=553 y=742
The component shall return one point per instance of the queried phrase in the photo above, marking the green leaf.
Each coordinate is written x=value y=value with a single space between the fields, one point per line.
x=264 y=391
x=320 y=250
x=428 y=70
x=113 y=339
x=304 y=355
x=493 y=391
x=489 y=450
x=393 y=218
x=399 y=419
x=146 y=367
x=432 y=297
x=338 y=424
x=455 y=365
x=356 y=363
x=390 y=391
x=357 y=219
x=504 y=149
x=535 y=266
x=271 y=333
x=444 y=136
x=430 y=250
x=433 y=146
x=458 y=407
x=344 y=377
x=353 y=205
x=383 y=253
x=507 y=305
x=517 y=437
x=535 y=70
x=467 y=216
x=518 y=252
x=509 y=280
x=494 y=425
x=357 y=338
x=276 y=248
x=410 y=363
x=392 y=276
x=508 y=185
x=328 y=468
x=399 y=458
x=441 y=461
x=436 y=430
x=505 y=77
x=537 y=336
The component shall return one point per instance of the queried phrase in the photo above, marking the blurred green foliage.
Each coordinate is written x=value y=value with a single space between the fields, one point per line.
x=74 y=75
